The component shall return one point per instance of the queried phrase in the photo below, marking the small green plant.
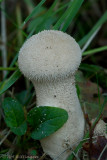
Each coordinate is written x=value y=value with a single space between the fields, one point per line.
x=43 y=120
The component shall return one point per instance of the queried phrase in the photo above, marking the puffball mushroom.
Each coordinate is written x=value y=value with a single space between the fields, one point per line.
x=50 y=59
x=100 y=128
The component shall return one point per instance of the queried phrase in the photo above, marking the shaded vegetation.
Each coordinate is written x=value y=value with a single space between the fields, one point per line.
x=86 y=21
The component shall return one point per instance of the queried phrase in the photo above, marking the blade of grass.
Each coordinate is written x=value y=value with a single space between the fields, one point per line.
x=71 y=157
x=99 y=98
x=50 y=11
x=12 y=21
x=91 y=68
x=68 y=15
x=104 y=149
x=33 y=12
x=8 y=83
x=3 y=38
x=11 y=65
x=75 y=7
x=7 y=69
x=90 y=39
x=60 y=8
x=47 y=15
x=20 y=37
x=27 y=19
x=100 y=22
x=29 y=4
x=96 y=50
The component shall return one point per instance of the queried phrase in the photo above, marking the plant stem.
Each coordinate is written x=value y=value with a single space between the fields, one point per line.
x=4 y=38
x=8 y=68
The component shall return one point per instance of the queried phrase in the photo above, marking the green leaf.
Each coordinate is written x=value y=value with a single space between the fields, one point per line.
x=20 y=130
x=4 y=157
x=68 y=16
x=9 y=82
x=46 y=120
x=14 y=116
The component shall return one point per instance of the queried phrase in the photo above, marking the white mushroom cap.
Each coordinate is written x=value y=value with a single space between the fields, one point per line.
x=49 y=55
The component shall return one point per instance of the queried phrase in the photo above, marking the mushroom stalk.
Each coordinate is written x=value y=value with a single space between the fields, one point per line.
x=61 y=94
